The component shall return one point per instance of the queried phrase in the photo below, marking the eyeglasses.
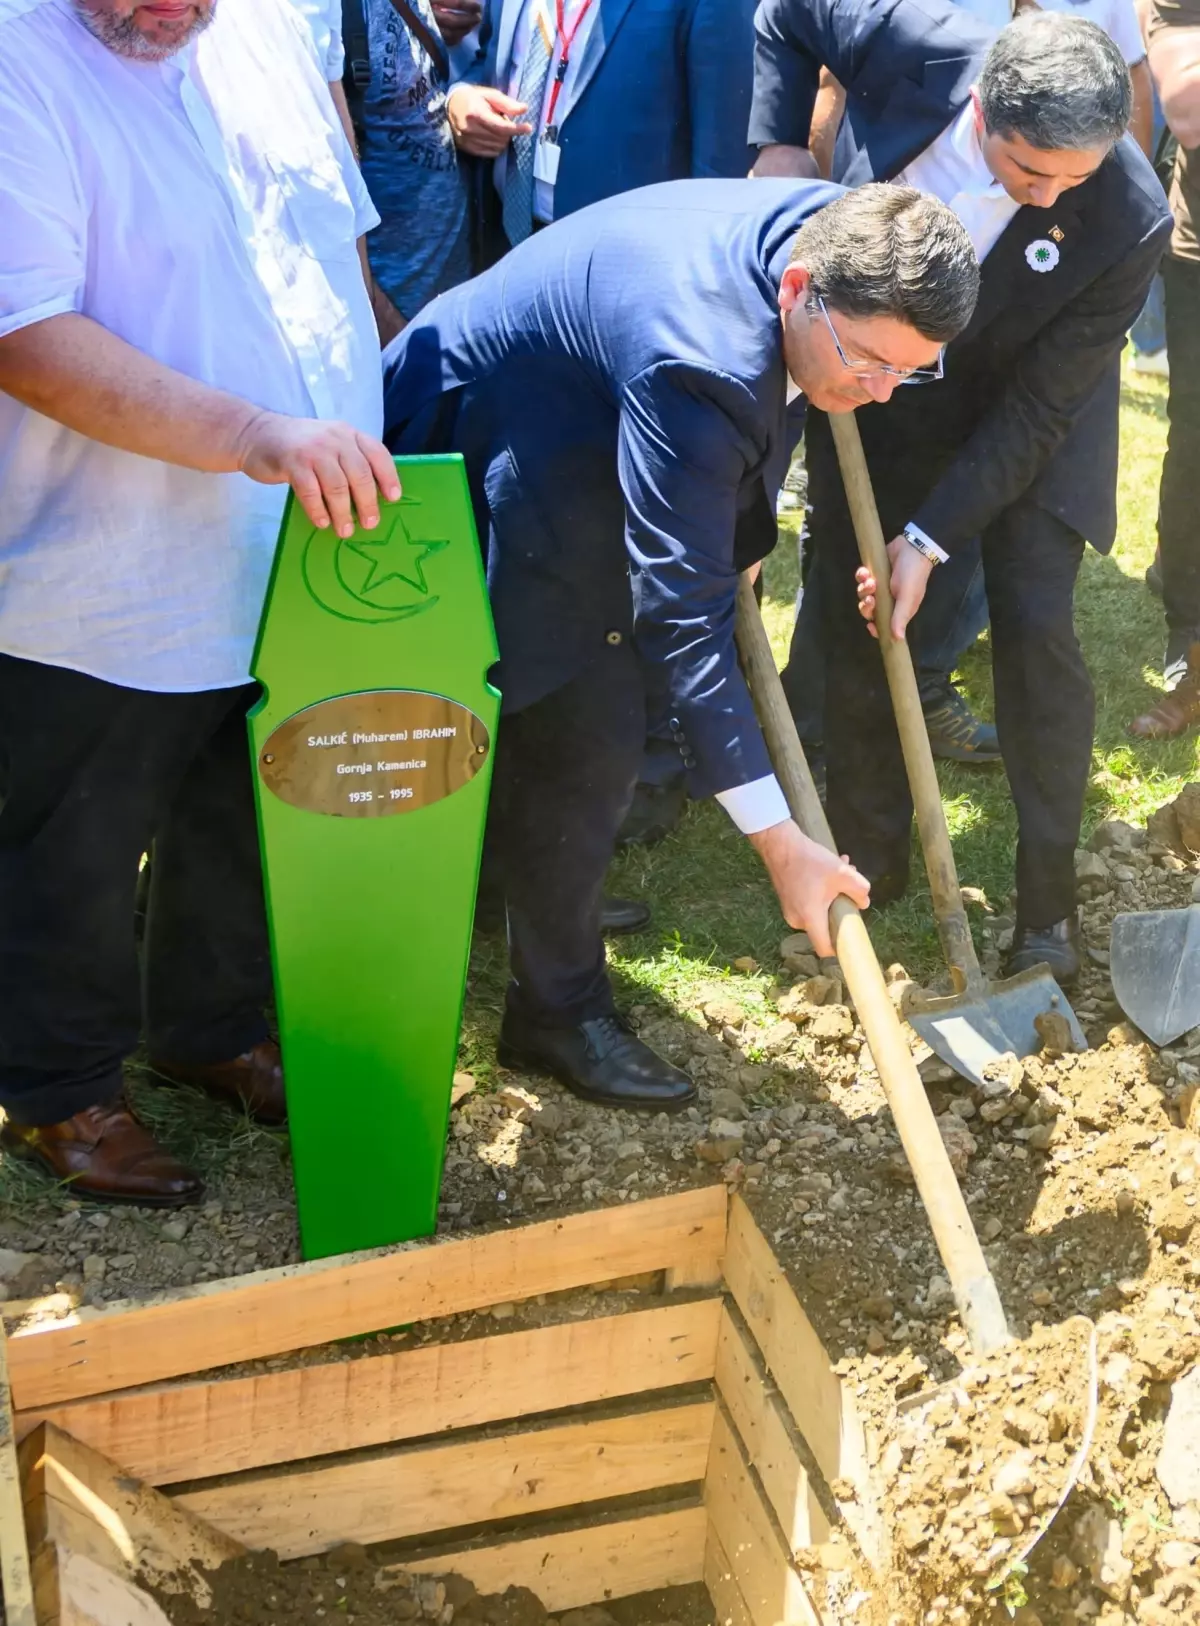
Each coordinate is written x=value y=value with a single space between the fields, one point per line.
x=874 y=369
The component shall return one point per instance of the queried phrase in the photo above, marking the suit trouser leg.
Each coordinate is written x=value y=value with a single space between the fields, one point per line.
x=951 y=619
x=1178 y=534
x=89 y=774
x=207 y=958
x=1045 y=705
x=565 y=773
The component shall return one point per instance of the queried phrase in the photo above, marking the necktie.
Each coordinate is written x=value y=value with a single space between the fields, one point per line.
x=518 y=181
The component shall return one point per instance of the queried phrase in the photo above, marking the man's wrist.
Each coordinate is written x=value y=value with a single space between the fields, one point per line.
x=924 y=544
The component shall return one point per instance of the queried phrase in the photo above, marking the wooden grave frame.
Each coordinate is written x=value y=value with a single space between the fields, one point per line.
x=700 y=1439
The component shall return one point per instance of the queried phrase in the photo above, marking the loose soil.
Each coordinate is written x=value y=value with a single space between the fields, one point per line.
x=1081 y=1173
x=346 y=1587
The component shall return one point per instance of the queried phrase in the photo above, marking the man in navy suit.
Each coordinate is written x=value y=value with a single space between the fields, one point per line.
x=576 y=100
x=626 y=392
x=1021 y=133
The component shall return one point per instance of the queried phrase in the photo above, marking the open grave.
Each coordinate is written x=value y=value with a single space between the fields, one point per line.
x=706 y=1439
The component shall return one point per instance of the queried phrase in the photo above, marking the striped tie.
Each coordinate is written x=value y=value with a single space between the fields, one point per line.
x=518 y=181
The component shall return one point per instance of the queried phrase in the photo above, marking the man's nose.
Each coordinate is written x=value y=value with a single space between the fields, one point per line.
x=1045 y=193
x=880 y=386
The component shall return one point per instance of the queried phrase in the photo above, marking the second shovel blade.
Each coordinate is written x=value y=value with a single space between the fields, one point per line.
x=1155 y=969
x=969 y=1031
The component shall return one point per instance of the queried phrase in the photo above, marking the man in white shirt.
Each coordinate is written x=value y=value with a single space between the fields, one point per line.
x=184 y=333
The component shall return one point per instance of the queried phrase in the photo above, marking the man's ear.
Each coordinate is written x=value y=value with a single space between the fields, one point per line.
x=794 y=287
x=980 y=125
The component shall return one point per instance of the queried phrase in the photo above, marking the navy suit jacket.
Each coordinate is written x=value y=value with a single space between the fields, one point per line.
x=662 y=93
x=1031 y=395
x=617 y=388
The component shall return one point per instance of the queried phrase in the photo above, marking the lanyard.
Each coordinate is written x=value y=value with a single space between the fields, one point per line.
x=564 y=61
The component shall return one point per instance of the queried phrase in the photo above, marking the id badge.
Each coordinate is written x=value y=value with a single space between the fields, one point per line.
x=545 y=161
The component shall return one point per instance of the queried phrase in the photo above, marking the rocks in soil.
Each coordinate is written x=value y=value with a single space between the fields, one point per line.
x=1097 y=1548
x=959 y=1142
x=1178 y=1465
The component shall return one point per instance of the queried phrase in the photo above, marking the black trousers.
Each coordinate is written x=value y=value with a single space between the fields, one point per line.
x=1178 y=534
x=1045 y=707
x=91 y=776
x=564 y=778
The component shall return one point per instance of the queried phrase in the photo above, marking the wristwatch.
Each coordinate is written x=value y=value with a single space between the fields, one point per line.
x=925 y=545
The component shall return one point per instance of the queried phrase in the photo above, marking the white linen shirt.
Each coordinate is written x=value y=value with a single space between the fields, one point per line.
x=1117 y=18
x=953 y=169
x=324 y=18
x=205 y=210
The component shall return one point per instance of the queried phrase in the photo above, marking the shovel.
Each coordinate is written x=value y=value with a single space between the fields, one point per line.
x=974 y=1287
x=1155 y=969
x=981 y=1020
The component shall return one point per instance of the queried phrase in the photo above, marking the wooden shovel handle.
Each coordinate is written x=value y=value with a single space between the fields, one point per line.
x=953 y=929
x=974 y=1289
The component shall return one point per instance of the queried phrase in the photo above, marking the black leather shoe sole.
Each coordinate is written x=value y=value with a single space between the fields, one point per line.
x=509 y=1055
x=620 y=916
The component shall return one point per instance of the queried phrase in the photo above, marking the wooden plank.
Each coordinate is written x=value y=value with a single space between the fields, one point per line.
x=90 y=1595
x=416 y=1490
x=273 y=1311
x=166 y=1434
x=14 y=1549
x=822 y=1407
x=762 y=1423
x=730 y=1607
x=697 y=1273
x=78 y=1501
x=577 y=1567
x=758 y=1561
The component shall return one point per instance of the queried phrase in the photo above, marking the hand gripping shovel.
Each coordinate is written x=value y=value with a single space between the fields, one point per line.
x=1155 y=969
x=981 y=1020
x=974 y=1289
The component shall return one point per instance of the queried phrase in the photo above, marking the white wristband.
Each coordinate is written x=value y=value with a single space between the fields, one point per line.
x=925 y=545
x=756 y=806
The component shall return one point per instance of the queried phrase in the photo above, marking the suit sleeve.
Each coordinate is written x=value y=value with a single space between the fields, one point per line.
x=787 y=73
x=685 y=444
x=1050 y=384
x=720 y=76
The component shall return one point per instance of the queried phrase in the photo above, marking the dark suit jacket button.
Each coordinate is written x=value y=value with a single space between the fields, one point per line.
x=613 y=637
x=689 y=762
x=674 y=723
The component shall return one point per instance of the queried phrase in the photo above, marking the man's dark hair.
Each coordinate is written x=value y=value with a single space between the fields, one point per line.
x=1057 y=81
x=892 y=251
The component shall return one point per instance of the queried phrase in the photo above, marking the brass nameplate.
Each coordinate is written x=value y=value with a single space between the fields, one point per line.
x=363 y=756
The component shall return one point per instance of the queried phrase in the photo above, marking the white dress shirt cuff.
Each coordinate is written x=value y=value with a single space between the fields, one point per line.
x=938 y=553
x=756 y=806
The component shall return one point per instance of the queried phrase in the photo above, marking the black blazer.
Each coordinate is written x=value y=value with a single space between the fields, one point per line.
x=1031 y=394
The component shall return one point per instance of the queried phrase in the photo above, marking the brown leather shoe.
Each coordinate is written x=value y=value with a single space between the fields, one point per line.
x=1176 y=712
x=104 y=1152
x=253 y=1080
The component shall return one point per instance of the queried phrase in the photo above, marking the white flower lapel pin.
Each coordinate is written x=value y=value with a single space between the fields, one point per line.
x=1041 y=254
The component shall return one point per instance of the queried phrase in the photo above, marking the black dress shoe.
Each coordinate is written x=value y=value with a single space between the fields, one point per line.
x=1056 y=946
x=621 y=915
x=602 y=1060
x=955 y=733
x=653 y=813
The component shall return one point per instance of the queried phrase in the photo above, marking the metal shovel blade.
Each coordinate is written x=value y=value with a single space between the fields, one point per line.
x=969 y=1030
x=1155 y=969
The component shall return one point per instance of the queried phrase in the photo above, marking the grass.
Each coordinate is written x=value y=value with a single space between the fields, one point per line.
x=712 y=903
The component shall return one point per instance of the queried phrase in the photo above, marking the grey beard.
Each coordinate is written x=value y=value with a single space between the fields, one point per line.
x=124 y=38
